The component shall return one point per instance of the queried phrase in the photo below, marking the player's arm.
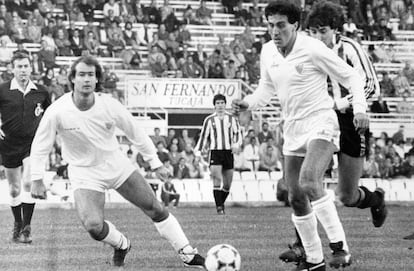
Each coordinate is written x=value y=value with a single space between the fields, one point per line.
x=204 y=138
x=263 y=93
x=41 y=147
x=360 y=61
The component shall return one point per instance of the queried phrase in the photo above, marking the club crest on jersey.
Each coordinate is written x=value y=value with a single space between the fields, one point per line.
x=299 y=68
x=108 y=125
x=38 y=110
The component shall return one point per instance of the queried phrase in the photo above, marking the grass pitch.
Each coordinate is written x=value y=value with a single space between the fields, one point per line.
x=259 y=233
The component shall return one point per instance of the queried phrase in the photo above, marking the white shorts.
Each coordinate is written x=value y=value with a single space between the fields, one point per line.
x=112 y=173
x=299 y=133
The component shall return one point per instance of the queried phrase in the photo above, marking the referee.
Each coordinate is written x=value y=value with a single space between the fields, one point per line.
x=22 y=104
x=220 y=133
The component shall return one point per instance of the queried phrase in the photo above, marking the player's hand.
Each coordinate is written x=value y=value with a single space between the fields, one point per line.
x=238 y=105
x=162 y=173
x=38 y=189
x=361 y=122
x=2 y=135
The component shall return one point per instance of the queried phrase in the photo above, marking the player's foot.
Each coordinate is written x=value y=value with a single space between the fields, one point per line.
x=340 y=257
x=26 y=235
x=409 y=237
x=295 y=253
x=220 y=210
x=303 y=265
x=379 y=213
x=16 y=232
x=119 y=255
x=191 y=258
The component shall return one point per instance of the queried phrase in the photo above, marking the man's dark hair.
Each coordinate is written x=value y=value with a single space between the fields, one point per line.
x=284 y=7
x=90 y=61
x=219 y=97
x=326 y=13
x=18 y=56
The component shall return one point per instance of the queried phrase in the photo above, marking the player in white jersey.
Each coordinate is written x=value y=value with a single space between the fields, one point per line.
x=86 y=123
x=295 y=67
x=220 y=134
x=324 y=21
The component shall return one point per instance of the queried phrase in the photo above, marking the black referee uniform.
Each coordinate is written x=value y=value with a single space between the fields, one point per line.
x=20 y=116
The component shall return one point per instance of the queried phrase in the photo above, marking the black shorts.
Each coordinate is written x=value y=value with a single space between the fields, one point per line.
x=351 y=142
x=222 y=158
x=14 y=160
x=13 y=150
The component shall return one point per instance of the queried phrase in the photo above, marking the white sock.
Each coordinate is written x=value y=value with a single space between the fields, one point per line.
x=16 y=201
x=27 y=197
x=307 y=227
x=327 y=214
x=171 y=230
x=115 y=238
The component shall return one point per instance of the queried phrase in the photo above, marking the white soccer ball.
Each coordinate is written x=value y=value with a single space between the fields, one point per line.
x=223 y=257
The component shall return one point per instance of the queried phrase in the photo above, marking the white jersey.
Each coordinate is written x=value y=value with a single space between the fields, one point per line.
x=299 y=79
x=87 y=137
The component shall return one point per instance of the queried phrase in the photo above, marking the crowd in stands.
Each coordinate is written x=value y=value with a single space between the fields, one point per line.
x=123 y=31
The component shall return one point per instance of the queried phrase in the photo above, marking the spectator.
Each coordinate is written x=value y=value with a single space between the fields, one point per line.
x=86 y=9
x=399 y=148
x=116 y=45
x=162 y=151
x=156 y=41
x=382 y=31
x=206 y=68
x=379 y=106
x=90 y=27
x=191 y=69
x=256 y=15
x=381 y=54
x=237 y=41
x=62 y=44
x=171 y=22
x=32 y=31
x=399 y=135
x=349 y=27
x=401 y=84
x=159 y=67
x=269 y=160
x=62 y=79
x=6 y=53
x=60 y=26
x=114 y=28
x=75 y=15
x=184 y=36
x=216 y=72
x=169 y=194
x=387 y=86
x=223 y=48
x=171 y=61
x=230 y=70
x=242 y=15
x=407 y=167
x=111 y=5
x=265 y=134
x=126 y=11
x=229 y=5
x=109 y=79
x=382 y=140
x=171 y=135
x=152 y=14
x=216 y=58
x=189 y=17
x=408 y=72
x=172 y=43
x=240 y=162
x=371 y=169
x=157 y=137
x=162 y=32
x=169 y=167
x=405 y=106
x=55 y=90
x=372 y=53
x=37 y=67
x=196 y=169
x=3 y=27
x=204 y=14
x=16 y=28
x=8 y=74
x=173 y=154
x=103 y=36
x=91 y=44
x=407 y=20
x=131 y=58
x=200 y=56
x=242 y=74
x=47 y=78
x=188 y=153
x=181 y=171
x=76 y=43
x=251 y=153
x=387 y=170
x=130 y=36
x=138 y=11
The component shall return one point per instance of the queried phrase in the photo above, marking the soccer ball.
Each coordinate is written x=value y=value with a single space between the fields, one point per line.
x=223 y=258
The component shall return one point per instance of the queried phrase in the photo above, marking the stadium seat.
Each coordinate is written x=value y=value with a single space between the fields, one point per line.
x=206 y=190
x=236 y=176
x=191 y=190
x=262 y=175
x=369 y=183
x=267 y=190
x=237 y=192
x=248 y=176
x=252 y=190
x=276 y=175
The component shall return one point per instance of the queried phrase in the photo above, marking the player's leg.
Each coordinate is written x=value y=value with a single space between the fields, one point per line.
x=28 y=202
x=13 y=175
x=217 y=177
x=227 y=173
x=136 y=190
x=318 y=157
x=349 y=173
x=90 y=207
x=303 y=217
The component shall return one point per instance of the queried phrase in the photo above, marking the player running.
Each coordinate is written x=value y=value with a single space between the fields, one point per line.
x=324 y=21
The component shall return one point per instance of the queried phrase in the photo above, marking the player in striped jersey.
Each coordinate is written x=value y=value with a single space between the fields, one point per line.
x=324 y=21
x=220 y=134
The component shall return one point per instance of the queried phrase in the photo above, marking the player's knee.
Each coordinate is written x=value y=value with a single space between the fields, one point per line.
x=159 y=214
x=93 y=227
x=346 y=198
x=14 y=191
x=297 y=200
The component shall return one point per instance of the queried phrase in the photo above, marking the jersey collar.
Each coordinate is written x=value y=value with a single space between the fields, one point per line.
x=15 y=85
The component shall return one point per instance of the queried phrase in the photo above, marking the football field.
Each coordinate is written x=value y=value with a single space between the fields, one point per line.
x=259 y=233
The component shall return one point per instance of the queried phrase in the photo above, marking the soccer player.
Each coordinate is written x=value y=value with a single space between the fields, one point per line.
x=22 y=103
x=220 y=134
x=86 y=123
x=296 y=67
x=324 y=21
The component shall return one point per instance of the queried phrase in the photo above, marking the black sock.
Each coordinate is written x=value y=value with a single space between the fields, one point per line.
x=17 y=213
x=224 y=195
x=217 y=197
x=371 y=199
x=27 y=209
